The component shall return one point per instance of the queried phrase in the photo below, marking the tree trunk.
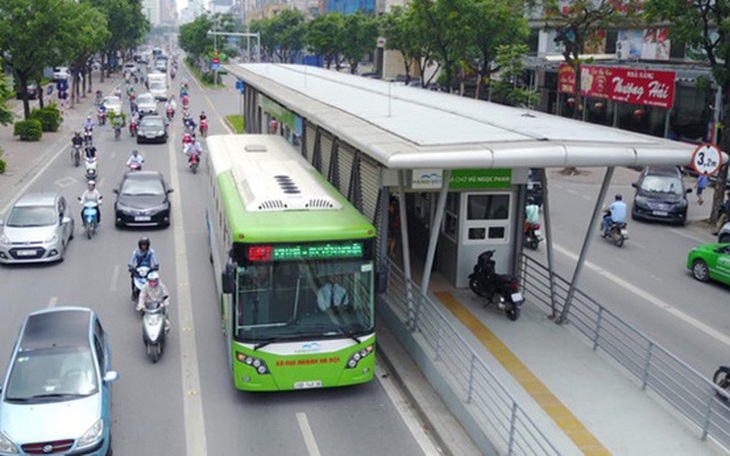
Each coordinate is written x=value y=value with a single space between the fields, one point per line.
x=724 y=144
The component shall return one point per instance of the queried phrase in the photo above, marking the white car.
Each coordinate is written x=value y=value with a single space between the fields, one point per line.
x=60 y=74
x=113 y=104
x=146 y=103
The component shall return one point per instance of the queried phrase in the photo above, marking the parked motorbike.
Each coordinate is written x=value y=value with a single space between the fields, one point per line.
x=139 y=279
x=722 y=379
x=194 y=162
x=203 y=128
x=154 y=329
x=499 y=289
x=617 y=233
x=532 y=236
x=91 y=217
x=91 y=171
x=76 y=155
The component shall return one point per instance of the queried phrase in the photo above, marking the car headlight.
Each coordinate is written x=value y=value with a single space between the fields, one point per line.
x=51 y=239
x=92 y=436
x=4 y=239
x=6 y=446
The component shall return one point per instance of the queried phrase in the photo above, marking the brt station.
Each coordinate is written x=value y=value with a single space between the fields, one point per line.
x=459 y=166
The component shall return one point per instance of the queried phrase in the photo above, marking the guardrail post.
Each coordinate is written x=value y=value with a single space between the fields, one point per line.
x=647 y=365
x=471 y=378
x=417 y=312
x=438 y=343
x=512 y=424
x=708 y=414
x=597 y=332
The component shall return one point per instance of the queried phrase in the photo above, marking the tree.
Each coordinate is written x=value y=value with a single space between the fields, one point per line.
x=406 y=34
x=510 y=89
x=361 y=33
x=324 y=36
x=6 y=115
x=288 y=31
x=193 y=38
x=266 y=34
x=705 y=25
x=493 y=24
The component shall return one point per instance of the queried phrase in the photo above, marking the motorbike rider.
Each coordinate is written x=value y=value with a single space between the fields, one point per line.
x=203 y=117
x=155 y=291
x=90 y=152
x=170 y=104
x=143 y=255
x=89 y=124
x=91 y=195
x=532 y=214
x=616 y=213
x=77 y=140
x=135 y=159
x=193 y=148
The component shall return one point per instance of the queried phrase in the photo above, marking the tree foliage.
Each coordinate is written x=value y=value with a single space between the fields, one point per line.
x=360 y=36
x=703 y=25
x=324 y=36
x=194 y=39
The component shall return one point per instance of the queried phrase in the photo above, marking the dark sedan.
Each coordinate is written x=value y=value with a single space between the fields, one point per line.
x=660 y=195
x=142 y=200
x=152 y=128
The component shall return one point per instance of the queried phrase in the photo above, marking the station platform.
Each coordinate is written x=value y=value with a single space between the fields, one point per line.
x=580 y=399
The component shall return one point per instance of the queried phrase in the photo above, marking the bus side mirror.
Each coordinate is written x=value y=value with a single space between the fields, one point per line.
x=228 y=279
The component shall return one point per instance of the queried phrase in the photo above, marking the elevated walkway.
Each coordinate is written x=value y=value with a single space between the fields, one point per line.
x=535 y=387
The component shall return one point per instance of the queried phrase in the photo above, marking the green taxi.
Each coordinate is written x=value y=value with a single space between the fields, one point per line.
x=710 y=261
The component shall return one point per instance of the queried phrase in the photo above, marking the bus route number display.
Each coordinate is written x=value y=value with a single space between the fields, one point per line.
x=305 y=252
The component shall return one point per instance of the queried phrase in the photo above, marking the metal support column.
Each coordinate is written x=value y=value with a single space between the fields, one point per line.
x=548 y=238
x=435 y=229
x=405 y=247
x=590 y=234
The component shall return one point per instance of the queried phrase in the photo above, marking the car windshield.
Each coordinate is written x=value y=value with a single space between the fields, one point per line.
x=53 y=374
x=157 y=86
x=24 y=216
x=111 y=101
x=153 y=122
x=662 y=184
x=146 y=98
x=142 y=187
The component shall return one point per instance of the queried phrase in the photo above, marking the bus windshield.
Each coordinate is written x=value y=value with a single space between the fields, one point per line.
x=298 y=300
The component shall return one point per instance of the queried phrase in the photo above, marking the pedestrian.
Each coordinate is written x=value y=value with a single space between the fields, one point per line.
x=393 y=224
x=701 y=184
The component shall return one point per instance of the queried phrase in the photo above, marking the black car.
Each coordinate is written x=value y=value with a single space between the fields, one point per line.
x=660 y=195
x=142 y=200
x=30 y=92
x=152 y=128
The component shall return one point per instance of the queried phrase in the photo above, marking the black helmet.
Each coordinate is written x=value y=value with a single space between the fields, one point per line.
x=144 y=241
x=530 y=200
x=619 y=197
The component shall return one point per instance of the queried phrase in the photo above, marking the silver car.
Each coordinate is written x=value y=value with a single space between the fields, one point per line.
x=37 y=229
x=146 y=103
x=724 y=234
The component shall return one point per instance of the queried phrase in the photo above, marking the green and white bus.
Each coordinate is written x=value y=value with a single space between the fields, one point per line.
x=294 y=264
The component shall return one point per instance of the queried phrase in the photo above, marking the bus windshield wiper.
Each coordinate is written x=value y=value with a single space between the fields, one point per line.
x=271 y=340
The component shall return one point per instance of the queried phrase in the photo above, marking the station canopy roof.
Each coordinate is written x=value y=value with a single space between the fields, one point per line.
x=408 y=127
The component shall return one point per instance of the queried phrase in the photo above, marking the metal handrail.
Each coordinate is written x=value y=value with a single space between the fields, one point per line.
x=505 y=422
x=680 y=385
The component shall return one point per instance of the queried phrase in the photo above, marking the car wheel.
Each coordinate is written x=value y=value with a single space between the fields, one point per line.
x=138 y=140
x=724 y=237
x=700 y=271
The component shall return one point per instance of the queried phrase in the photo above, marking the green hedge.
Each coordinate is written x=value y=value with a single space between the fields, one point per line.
x=3 y=166
x=28 y=130
x=49 y=117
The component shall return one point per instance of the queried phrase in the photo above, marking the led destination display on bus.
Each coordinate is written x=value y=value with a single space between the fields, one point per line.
x=305 y=252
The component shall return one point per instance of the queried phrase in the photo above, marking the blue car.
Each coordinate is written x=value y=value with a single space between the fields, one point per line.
x=56 y=394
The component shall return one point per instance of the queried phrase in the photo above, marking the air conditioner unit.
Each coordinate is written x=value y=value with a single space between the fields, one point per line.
x=623 y=49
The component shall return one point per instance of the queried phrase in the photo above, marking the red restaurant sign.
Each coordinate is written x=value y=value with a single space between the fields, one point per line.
x=566 y=79
x=629 y=85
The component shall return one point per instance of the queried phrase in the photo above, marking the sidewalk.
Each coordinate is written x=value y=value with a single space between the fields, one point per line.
x=26 y=158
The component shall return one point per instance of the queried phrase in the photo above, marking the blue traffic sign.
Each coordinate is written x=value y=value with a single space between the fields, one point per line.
x=215 y=66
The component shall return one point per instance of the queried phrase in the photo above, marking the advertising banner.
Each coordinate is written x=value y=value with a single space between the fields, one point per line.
x=629 y=85
x=566 y=78
x=656 y=45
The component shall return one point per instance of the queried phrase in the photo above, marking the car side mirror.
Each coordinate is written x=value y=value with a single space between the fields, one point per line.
x=634 y=184
x=111 y=377
x=228 y=279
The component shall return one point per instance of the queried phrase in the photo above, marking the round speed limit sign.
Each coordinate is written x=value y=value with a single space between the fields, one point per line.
x=707 y=159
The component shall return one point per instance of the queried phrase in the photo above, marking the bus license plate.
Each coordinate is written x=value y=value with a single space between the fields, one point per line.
x=308 y=384
x=142 y=218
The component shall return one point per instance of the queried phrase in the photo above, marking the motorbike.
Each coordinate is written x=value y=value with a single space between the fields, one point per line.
x=499 y=289
x=154 y=329
x=617 y=233
x=194 y=162
x=203 y=128
x=101 y=116
x=91 y=217
x=721 y=378
x=90 y=168
x=117 y=130
x=170 y=113
x=139 y=280
x=99 y=98
x=135 y=166
x=76 y=154
x=132 y=128
x=88 y=137
x=532 y=236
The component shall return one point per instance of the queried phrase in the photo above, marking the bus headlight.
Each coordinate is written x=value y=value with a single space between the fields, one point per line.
x=257 y=363
x=355 y=358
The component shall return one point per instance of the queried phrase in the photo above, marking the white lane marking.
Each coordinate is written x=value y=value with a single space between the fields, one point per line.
x=52 y=303
x=312 y=448
x=689 y=236
x=406 y=412
x=195 y=440
x=115 y=279
x=717 y=335
x=66 y=181
x=212 y=106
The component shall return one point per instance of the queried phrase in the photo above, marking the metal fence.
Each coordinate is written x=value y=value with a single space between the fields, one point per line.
x=689 y=392
x=504 y=421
